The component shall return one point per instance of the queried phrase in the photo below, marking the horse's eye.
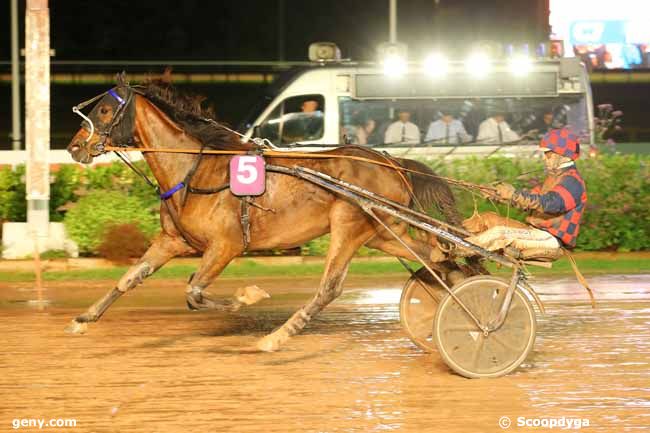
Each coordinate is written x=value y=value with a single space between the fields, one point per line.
x=103 y=110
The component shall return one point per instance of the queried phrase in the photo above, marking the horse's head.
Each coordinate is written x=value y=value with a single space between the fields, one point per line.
x=111 y=122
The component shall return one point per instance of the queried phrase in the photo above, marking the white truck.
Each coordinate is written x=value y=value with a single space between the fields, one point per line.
x=337 y=102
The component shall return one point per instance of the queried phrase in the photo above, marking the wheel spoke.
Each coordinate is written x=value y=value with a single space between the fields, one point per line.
x=430 y=291
x=498 y=339
x=422 y=303
x=478 y=350
x=421 y=326
x=461 y=328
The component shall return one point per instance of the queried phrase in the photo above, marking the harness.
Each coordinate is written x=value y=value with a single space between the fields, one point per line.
x=261 y=146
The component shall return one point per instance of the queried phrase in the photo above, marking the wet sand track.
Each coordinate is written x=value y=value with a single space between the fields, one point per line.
x=151 y=365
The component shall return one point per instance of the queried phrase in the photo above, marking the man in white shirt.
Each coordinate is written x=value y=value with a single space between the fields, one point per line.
x=403 y=131
x=495 y=130
x=447 y=130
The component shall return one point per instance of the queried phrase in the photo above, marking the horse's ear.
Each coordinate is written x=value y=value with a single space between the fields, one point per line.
x=120 y=79
x=167 y=75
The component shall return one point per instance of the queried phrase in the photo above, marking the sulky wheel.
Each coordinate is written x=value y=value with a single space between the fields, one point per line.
x=417 y=308
x=464 y=348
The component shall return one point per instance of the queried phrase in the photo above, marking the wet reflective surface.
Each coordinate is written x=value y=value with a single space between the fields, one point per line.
x=151 y=365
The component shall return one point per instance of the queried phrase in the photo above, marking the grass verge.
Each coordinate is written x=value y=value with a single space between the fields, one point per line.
x=589 y=266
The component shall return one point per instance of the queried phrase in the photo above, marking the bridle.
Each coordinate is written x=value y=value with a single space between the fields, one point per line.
x=100 y=147
x=118 y=115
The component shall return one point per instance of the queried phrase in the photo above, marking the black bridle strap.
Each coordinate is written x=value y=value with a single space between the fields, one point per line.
x=117 y=118
x=190 y=174
x=207 y=191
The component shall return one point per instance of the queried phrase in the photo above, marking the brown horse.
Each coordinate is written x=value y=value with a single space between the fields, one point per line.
x=290 y=212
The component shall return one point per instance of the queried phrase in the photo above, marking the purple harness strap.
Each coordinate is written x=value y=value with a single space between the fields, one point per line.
x=114 y=94
x=165 y=195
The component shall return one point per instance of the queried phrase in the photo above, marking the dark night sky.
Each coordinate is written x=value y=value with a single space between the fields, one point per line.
x=248 y=29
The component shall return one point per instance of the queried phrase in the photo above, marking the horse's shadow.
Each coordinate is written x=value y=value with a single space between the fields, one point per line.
x=248 y=324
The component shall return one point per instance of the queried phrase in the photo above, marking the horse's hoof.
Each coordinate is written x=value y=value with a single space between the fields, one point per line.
x=75 y=327
x=206 y=302
x=190 y=306
x=250 y=295
x=273 y=341
x=268 y=344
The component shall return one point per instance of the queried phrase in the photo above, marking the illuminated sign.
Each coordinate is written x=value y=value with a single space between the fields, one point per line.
x=604 y=34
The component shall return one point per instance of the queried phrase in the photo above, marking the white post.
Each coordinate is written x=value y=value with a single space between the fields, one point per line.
x=16 y=133
x=37 y=116
x=392 y=21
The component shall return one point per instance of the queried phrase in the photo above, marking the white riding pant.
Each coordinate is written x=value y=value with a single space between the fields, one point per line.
x=499 y=237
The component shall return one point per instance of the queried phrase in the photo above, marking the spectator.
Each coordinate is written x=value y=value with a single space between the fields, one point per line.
x=365 y=130
x=495 y=130
x=403 y=130
x=545 y=124
x=447 y=130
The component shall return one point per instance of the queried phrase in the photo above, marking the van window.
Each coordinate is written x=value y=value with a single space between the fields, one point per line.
x=296 y=119
x=425 y=121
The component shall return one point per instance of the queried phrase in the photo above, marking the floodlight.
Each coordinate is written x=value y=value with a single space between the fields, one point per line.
x=436 y=65
x=520 y=65
x=395 y=65
x=478 y=65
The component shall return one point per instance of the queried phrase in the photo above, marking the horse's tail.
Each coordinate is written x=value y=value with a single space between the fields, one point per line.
x=431 y=191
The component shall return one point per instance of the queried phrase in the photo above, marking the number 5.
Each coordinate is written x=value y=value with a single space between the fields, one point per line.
x=246 y=170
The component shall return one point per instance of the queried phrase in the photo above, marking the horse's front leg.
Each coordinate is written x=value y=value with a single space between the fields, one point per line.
x=215 y=259
x=163 y=249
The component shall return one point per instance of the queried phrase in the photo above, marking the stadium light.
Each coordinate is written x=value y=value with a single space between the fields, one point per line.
x=478 y=65
x=436 y=65
x=395 y=65
x=520 y=65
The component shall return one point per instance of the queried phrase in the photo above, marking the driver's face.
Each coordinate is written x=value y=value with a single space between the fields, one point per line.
x=552 y=160
x=309 y=106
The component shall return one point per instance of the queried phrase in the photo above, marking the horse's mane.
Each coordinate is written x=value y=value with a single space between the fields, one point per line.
x=187 y=110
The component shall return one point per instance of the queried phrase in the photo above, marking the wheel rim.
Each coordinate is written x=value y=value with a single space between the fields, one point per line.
x=418 y=307
x=467 y=350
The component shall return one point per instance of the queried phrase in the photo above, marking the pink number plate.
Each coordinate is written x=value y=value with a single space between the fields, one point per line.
x=247 y=175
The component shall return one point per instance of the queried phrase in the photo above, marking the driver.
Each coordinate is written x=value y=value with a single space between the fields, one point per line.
x=556 y=205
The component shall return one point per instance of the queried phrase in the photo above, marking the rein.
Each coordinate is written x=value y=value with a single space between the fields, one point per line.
x=310 y=155
x=265 y=146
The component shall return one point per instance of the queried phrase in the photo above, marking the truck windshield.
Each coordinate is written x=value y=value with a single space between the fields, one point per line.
x=456 y=121
x=280 y=82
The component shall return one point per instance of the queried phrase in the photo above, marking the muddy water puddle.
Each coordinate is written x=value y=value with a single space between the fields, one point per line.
x=152 y=366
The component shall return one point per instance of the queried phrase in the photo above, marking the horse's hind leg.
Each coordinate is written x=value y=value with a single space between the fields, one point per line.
x=163 y=249
x=349 y=231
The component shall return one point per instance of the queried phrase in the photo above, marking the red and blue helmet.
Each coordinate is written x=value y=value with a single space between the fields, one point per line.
x=561 y=141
